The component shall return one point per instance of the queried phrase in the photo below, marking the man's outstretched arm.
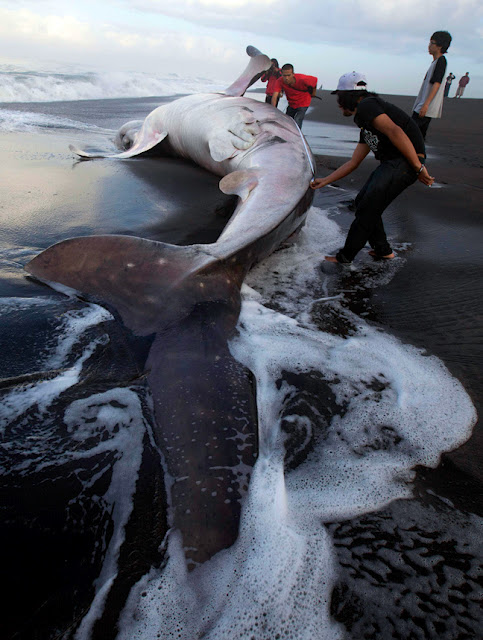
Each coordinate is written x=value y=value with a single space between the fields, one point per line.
x=275 y=98
x=360 y=152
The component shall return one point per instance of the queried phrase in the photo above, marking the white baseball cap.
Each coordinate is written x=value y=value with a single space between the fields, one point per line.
x=351 y=82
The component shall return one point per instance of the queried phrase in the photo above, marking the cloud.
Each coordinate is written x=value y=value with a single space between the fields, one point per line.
x=26 y=35
x=376 y=23
x=28 y=25
x=207 y=37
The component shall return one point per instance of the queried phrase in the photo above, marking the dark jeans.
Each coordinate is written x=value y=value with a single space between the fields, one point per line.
x=297 y=114
x=423 y=123
x=268 y=98
x=382 y=187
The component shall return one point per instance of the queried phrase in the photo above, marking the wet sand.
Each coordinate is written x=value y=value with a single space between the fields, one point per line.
x=435 y=301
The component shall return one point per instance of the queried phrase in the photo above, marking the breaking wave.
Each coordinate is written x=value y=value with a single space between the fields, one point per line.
x=21 y=85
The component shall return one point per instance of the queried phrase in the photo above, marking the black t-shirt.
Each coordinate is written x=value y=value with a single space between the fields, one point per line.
x=373 y=106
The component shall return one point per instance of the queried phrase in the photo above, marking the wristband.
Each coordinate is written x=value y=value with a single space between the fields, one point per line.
x=420 y=169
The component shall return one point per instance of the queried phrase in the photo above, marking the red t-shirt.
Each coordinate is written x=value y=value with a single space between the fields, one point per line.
x=297 y=95
x=272 y=81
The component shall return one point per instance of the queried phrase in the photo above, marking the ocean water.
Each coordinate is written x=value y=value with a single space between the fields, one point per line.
x=60 y=83
x=335 y=538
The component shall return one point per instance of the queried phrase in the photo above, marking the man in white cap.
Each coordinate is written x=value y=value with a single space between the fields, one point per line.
x=397 y=143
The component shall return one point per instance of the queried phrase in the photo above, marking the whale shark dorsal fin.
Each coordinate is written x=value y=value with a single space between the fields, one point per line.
x=259 y=63
x=240 y=183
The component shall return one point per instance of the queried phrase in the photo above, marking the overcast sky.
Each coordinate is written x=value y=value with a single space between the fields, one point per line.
x=385 y=39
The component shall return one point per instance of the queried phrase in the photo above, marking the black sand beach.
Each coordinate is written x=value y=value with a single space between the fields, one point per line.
x=426 y=589
x=436 y=301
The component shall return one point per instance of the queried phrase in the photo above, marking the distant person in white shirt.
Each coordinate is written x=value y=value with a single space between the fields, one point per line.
x=429 y=103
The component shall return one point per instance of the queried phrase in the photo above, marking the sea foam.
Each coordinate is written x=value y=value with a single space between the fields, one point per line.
x=356 y=413
x=344 y=417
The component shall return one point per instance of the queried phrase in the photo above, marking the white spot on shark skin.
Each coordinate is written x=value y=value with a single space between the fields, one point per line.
x=130 y=265
x=162 y=261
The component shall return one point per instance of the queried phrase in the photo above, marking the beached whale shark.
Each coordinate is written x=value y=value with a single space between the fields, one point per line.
x=189 y=297
x=264 y=160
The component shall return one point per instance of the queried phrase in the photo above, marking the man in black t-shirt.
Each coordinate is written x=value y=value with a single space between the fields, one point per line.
x=397 y=142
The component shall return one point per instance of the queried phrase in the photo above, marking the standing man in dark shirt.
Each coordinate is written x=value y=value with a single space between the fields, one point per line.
x=299 y=90
x=429 y=103
x=397 y=142
x=462 y=85
x=447 y=86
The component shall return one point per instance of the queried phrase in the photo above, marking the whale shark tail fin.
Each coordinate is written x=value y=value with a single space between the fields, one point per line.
x=150 y=284
x=259 y=63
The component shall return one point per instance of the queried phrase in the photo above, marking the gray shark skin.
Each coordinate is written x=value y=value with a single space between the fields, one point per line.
x=189 y=297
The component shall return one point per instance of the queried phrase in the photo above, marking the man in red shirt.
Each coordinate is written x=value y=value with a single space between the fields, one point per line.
x=270 y=77
x=299 y=90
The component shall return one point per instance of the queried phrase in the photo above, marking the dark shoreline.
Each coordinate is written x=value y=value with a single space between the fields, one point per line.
x=433 y=302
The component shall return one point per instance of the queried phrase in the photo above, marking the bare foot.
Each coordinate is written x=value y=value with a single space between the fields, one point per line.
x=331 y=259
x=389 y=256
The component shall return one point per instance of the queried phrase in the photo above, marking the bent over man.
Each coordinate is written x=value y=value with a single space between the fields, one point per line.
x=298 y=89
x=270 y=77
x=397 y=143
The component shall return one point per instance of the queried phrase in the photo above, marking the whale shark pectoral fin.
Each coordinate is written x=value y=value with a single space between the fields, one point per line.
x=85 y=155
x=147 y=143
x=240 y=183
x=226 y=145
x=245 y=132
x=221 y=146
x=241 y=134
x=127 y=134
x=259 y=63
